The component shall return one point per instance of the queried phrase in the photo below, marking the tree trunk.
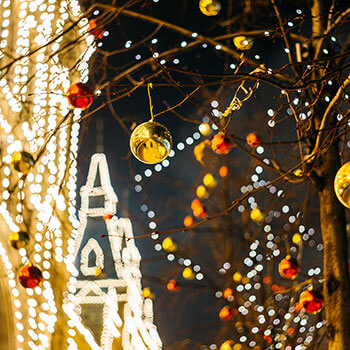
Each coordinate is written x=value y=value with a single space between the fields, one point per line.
x=336 y=275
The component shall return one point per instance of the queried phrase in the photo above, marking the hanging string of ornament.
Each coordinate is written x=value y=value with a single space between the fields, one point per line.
x=237 y=102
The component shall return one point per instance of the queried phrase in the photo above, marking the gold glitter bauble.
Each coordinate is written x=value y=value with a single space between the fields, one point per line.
x=22 y=162
x=150 y=142
x=209 y=7
x=243 y=42
x=342 y=184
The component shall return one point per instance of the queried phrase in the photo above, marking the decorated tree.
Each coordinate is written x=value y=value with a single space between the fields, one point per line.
x=259 y=89
x=268 y=80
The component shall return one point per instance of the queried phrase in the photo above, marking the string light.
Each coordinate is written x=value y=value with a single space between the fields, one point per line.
x=38 y=25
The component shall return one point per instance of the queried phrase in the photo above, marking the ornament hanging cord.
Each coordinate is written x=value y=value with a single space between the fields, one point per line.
x=150 y=86
x=236 y=102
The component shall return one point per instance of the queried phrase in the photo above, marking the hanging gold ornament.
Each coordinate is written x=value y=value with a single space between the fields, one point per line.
x=22 y=162
x=210 y=7
x=150 y=142
x=243 y=42
x=342 y=184
x=19 y=239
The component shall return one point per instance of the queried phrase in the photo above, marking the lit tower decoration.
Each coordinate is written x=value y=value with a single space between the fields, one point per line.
x=107 y=281
x=44 y=48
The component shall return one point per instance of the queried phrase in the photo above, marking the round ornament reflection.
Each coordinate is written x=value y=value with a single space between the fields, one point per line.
x=150 y=142
x=209 y=7
x=342 y=184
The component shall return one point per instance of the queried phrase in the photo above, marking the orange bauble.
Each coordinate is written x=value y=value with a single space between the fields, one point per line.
x=253 y=140
x=80 y=95
x=198 y=209
x=172 y=286
x=220 y=144
x=223 y=171
x=225 y=314
x=228 y=292
x=188 y=220
x=288 y=268
x=107 y=216
x=30 y=276
x=312 y=301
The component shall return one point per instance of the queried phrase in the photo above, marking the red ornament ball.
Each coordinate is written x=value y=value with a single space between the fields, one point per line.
x=220 y=144
x=288 y=268
x=268 y=338
x=253 y=140
x=30 y=276
x=80 y=95
x=225 y=313
x=312 y=301
x=172 y=286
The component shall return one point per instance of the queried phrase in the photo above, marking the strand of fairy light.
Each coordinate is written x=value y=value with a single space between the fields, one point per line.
x=158 y=168
x=83 y=69
x=259 y=267
x=15 y=106
x=152 y=214
x=35 y=140
x=276 y=252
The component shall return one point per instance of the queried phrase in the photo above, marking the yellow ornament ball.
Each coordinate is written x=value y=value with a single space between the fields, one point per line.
x=243 y=42
x=201 y=192
x=205 y=129
x=147 y=293
x=209 y=7
x=150 y=142
x=342 y=184
x=237 y=276
x=169 y=245
x=209 y=180
x=188 y=274
x=227 y=345
x=256 y=215
x=22 y=162
x=296 y=238
x=237 y=347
